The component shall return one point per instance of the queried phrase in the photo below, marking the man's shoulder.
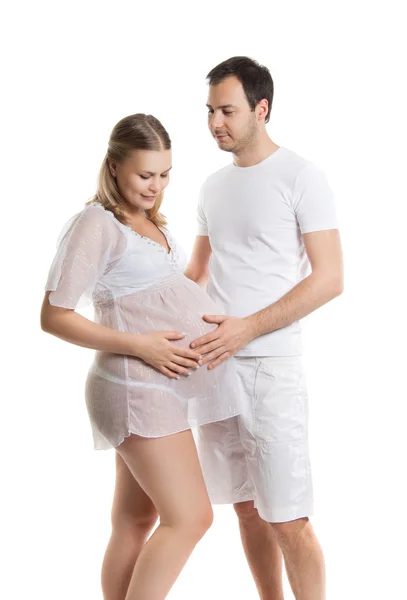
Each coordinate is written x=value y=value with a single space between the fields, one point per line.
x=287 y=166
x=218 y=177
x=293 y=163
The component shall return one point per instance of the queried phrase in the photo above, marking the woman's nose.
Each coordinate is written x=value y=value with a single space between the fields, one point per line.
x=154 y=187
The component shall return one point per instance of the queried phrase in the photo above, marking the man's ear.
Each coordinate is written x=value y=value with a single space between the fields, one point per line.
x=262 y=109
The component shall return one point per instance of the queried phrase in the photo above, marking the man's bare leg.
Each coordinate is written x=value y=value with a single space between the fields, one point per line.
x=262 y=551
x=303 y=558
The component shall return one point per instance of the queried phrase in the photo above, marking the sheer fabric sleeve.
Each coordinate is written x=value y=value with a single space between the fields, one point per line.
x=88 y=243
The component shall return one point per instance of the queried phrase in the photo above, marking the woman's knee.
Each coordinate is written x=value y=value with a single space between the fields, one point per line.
x=206 y=518
x=136 y=524
x=193 y=522
x=199 y=521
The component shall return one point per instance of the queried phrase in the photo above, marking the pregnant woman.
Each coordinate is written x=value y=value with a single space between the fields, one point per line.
x=145 y=389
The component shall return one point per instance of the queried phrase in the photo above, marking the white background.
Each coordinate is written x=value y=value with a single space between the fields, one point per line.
x=70 y=72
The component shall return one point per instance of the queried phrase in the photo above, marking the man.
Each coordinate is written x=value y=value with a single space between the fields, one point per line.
x=262 y=220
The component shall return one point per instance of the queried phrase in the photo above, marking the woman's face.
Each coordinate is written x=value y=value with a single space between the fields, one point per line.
x=142 y=176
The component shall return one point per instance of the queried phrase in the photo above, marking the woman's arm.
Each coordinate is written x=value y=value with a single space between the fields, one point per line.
x=72 y=327
x=154 y=348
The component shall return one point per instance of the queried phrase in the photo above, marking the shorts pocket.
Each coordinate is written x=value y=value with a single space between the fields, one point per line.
x=280 y=407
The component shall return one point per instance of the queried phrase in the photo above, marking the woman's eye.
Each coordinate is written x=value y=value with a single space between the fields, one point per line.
x=145 y=176
x=165 y=175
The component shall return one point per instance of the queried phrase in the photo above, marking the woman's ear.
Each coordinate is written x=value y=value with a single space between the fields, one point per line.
x=112 y=167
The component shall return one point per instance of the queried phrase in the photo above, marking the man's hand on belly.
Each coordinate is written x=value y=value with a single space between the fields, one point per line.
x=232 y=334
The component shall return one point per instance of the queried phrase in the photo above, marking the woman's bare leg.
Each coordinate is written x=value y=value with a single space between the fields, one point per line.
x=169 y=472
x=133 y=518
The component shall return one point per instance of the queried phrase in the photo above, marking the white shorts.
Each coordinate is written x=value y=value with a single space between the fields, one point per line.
x=263 y=454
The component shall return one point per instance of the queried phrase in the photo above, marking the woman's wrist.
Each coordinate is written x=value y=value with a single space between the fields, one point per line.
x=134 y=344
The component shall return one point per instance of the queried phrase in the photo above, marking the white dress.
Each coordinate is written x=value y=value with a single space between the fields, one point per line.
x=137 y=287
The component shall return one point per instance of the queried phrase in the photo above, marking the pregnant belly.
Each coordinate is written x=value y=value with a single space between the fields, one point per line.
x=179 y=307
x=176 y=308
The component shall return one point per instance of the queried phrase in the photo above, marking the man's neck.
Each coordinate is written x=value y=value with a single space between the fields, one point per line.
x=256 y=153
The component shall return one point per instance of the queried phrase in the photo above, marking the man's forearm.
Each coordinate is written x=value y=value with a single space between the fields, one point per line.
x=311 y=293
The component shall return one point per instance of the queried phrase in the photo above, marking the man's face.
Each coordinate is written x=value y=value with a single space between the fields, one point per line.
x=230 y=119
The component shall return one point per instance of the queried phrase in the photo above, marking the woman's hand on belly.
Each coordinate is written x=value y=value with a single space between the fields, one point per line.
x=157 y=350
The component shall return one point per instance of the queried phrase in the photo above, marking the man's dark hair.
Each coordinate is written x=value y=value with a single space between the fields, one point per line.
x=255 y=79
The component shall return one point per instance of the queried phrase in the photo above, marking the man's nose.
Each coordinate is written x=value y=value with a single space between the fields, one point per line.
x=217 y=120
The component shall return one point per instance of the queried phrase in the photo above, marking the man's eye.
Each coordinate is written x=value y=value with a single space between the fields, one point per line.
x=228 y=112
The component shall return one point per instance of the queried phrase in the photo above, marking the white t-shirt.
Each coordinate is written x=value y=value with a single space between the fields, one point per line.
x=254 y=217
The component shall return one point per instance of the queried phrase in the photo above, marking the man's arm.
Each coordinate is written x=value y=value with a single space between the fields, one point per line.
x=197 y=268
x=324 y=283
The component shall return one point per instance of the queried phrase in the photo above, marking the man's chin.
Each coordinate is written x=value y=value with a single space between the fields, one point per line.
x=226 y=146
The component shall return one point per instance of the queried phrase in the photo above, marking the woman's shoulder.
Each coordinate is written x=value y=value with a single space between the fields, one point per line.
x=97 y=212
x=93 y=222
x=95 y=215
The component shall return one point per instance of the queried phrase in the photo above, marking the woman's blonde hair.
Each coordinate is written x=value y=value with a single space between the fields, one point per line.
x=135 y=132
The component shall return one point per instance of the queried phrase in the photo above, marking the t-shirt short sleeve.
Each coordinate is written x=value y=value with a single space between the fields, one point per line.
x=86 y=246
x=202 y=228
x=313 y=201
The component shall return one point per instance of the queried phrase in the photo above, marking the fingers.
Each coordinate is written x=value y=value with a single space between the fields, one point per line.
x=178 y=366
x=178 y=369
x=173 y=335
x=210 y=347
x=185 y=352
x=169 y=373
x=219 y=360
x=212 y=355
x=185 y=362
x=214 y=318
x=205 y=339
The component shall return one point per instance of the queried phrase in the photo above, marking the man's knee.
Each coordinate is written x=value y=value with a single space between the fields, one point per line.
x=246 y=511
x=292 y=532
